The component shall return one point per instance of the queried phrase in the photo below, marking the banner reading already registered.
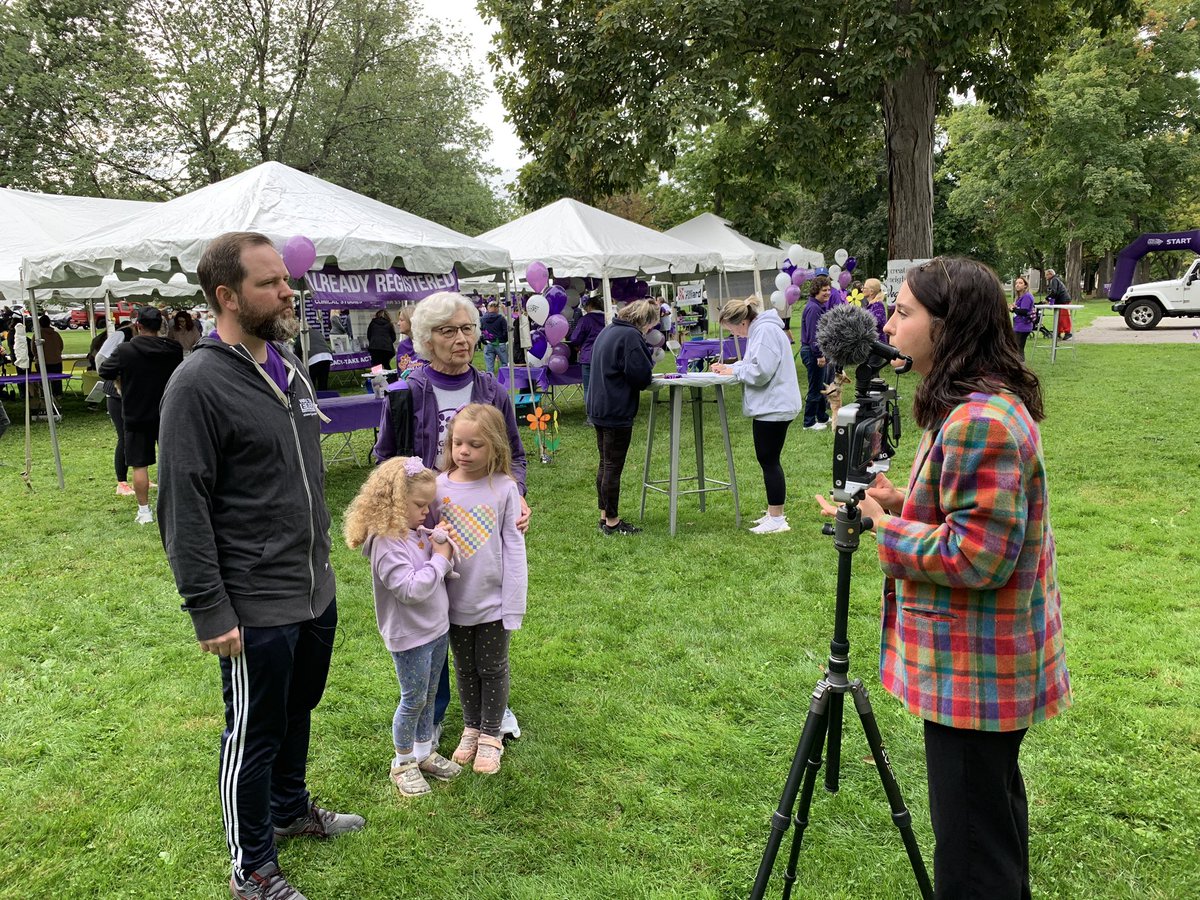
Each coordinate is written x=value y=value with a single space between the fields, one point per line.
x=374 y=288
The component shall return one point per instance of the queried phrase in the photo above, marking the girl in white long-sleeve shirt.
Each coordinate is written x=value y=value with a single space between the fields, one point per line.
x=408 y=570
x=478 y=504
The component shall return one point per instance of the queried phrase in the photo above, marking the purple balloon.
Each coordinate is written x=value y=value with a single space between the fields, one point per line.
x=789 y=267
x=537 y=276
x=298 y=255
x=556 y=327
x=558 y=300
x=844 y=280
x=538 y=344
x=557 y=364
x=791 y=294
x=850 y=264
x=798 y=278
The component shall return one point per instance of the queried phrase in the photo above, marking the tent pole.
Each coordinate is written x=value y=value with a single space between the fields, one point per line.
x=47 y=397
x=758 y=284
x=608 y=302
x=507 y=307
x=108 y=319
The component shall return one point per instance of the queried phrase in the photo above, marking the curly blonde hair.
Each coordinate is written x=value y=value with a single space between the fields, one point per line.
x=493 y=431
x=381 y=507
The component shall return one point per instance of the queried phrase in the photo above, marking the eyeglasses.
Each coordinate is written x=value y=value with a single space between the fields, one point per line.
x=450 y=331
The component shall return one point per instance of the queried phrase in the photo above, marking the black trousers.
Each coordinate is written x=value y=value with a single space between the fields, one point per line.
x=979 y=812
x=382 y=358
x=1022 y=338
x=270 y=692
x=116 y=413
x=768 y=447
x=613 y=444
x=319 y=372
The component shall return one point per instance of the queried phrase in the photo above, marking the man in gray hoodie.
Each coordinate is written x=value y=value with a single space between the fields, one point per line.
x=242 y=513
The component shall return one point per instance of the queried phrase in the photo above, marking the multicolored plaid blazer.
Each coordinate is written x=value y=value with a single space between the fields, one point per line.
x=972 y=623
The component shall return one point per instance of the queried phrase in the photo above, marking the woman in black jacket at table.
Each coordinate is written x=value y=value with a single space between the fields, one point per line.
x=381 y=339
x=620 y=370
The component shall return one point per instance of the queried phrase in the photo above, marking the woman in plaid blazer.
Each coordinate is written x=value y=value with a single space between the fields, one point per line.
x=972 y=629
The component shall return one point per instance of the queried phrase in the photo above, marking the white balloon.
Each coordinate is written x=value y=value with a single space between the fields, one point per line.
x=834 y=272
x=794 y=253
x=782 y=280
x=779 y=301
x=538 y=308
x=655 y=338
x=572 y=297
x=656 y=355
x=840 y=255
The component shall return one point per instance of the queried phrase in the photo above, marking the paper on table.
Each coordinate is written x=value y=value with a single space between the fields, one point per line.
x=692 y=379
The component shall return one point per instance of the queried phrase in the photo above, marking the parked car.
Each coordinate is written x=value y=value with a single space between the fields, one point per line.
x=122 y=310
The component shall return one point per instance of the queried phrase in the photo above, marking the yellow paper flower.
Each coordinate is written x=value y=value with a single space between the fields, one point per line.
x=538 y=420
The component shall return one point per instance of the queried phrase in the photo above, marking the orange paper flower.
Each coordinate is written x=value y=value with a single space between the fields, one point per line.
x=538 y=420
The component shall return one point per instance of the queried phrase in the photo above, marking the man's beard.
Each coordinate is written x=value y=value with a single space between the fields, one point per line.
x=267 y=326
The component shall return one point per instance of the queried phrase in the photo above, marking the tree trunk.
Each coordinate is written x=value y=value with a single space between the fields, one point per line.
x=909 y=110
x=1104 y=276
x=1074 y=269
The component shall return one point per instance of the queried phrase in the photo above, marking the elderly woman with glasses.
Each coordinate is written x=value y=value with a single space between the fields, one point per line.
x=445 y=327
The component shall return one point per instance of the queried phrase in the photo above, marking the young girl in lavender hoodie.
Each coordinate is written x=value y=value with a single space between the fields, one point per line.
x=408 y=569
x=478 y=504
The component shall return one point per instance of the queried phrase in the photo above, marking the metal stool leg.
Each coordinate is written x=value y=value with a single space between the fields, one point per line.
x=649 y=451
x=698 y=429
x=721 y=414
x=676 y=421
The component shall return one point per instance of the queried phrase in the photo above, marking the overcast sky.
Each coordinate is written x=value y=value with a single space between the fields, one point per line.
x=461 y=17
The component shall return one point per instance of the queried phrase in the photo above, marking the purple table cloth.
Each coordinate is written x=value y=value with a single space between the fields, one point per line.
x=542 y=377
x=351 y=413
x=714 y=350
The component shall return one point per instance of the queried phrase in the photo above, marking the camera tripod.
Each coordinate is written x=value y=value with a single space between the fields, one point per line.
x=823 y=727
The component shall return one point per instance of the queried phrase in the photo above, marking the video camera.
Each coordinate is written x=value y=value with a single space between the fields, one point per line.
x=867 y=431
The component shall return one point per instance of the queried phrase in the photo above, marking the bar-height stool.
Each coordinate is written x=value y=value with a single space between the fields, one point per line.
x=694 y=385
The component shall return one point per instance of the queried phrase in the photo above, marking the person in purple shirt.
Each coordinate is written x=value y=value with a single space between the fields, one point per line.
x=816 y=412
x=590 y=324
x=873 y=297
x=1022 y=312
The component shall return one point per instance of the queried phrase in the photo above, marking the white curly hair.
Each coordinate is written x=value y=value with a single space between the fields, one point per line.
x=433 y=312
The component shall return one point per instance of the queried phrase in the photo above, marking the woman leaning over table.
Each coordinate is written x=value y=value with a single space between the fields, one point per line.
x=972 y=626
x=770 y=396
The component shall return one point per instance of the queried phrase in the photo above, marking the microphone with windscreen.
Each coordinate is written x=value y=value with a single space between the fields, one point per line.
x=847 y=335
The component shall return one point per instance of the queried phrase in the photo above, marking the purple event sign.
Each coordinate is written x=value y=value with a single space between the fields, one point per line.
x=374 y=288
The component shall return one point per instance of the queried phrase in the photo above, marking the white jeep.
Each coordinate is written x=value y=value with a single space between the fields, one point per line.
x=1144 y=305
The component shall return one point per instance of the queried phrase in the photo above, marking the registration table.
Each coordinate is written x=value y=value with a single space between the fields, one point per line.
x=33 y=383
x=347 y=415
x=694 y=386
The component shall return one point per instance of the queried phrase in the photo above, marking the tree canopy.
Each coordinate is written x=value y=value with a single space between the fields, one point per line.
x=152 y=98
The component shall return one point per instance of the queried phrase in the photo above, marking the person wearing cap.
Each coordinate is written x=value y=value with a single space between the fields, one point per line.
x=142 y=367
x=494 y=329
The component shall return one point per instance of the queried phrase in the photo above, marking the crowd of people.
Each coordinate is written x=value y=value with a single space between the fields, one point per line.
x=970 y=590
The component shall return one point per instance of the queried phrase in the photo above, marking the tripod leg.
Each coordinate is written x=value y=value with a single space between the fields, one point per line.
x=812 y=767
x=834 y=764
x=901 y=817
x=810 y=737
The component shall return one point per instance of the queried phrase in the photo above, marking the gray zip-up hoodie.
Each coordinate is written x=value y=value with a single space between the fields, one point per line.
x=768 y=371
x=241 y=497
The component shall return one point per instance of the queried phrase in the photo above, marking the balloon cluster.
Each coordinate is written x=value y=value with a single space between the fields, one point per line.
x=791 y=277
x=545 y=309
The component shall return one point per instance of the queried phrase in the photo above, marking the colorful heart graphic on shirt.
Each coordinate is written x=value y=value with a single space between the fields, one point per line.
x=469 y=528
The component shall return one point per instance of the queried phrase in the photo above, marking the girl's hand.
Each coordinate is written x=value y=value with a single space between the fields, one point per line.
x=720 y=369
x=523 y=517
x=442 y=550
x=888 y=496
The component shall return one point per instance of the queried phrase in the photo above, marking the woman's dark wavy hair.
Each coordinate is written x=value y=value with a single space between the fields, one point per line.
x=974 y=348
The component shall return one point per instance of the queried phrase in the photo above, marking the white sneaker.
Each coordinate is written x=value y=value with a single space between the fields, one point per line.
x=508 y=725
x=762 y=518
x=772 y=525
x=144 y=517
x=816 y=426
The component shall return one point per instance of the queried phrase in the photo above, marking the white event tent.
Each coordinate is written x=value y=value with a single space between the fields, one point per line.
x=577 y=240
x=738 y=252
x=347 y=228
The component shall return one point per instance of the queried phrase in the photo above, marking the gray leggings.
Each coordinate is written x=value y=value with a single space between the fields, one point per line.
x=481 y=670
x=418 y=671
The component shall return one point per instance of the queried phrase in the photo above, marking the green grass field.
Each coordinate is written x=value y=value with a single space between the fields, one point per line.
x=661 y=683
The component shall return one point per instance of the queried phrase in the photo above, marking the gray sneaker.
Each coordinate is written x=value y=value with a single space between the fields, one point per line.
x=321 y=823
x=267 y=883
